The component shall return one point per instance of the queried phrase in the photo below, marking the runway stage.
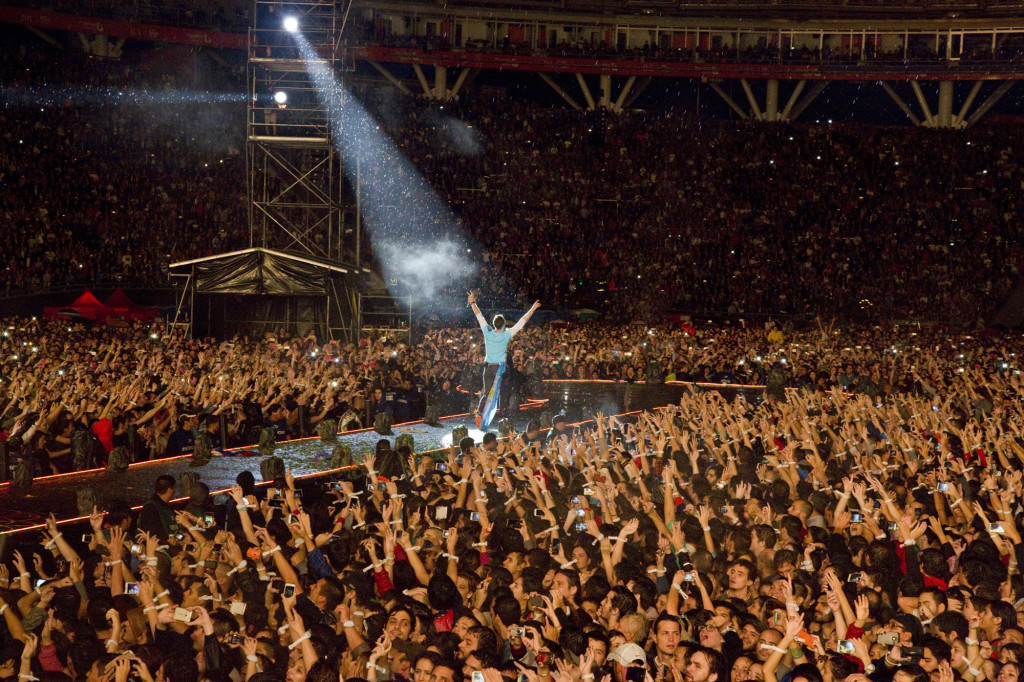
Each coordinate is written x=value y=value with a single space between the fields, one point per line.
x=310 y=457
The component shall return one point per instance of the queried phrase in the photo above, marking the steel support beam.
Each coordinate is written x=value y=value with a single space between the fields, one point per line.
x=391 y=78
x=990 y=102
x=791 y=102
x=422 y=79
x=459 y=82
x=637 y=91
x=624 y=94
x=900 y=103
x=561 y=93
x=102 y=46
x=441 y=83
x=818 y=88
x=756 y=110
x=771 y=100
x=962 y=116
x=44 y=36
x=929 y=120
x=728 y=100
x=586 y=91
x=944 y=115
x=605 y=81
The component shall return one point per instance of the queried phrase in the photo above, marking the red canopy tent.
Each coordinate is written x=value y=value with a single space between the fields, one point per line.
x=122 y=306
x=89 y=307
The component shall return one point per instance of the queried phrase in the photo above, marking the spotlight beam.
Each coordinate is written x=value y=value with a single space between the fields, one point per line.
x=417 y=240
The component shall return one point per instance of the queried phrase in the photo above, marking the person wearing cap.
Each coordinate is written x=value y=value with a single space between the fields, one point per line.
x=559 y=427
x=496 y=339
x=628 y=655
x=182 y=441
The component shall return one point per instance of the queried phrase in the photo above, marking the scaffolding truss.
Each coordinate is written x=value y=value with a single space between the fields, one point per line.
x=297 y=187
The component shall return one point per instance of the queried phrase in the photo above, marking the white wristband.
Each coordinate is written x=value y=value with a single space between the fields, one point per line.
x=569 y=564
x=2 y=609
x=238 y=568
x=271 y=551
x=252 y=658
x=299 y=641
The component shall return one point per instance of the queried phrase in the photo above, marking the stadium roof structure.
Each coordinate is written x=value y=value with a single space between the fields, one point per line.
x=782 y=61
x=945 y=63
x=761 y=8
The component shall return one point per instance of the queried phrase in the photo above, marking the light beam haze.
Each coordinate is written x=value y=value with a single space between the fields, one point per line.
x=98 y=97
x=417 y=240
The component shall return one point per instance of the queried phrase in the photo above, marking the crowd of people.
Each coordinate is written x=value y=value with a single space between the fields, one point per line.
x=834 y=219
x=815 y=536
x=859 y=523
x=58 y=378
x=151 y=168
x=851 y=220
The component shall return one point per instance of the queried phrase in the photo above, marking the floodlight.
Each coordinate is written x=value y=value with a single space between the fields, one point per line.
x=280 y=97
x=291 y=24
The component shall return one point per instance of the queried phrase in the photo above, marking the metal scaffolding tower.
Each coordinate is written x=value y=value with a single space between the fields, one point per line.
x=296 y=180
x=297 y=191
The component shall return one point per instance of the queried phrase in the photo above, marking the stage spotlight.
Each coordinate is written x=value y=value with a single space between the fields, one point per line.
x=291 y=24
x=280 y=97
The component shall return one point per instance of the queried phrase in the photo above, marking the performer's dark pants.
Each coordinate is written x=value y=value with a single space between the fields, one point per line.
x=490 y=374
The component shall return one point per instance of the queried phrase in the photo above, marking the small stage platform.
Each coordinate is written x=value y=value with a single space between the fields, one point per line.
x=310 y=457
